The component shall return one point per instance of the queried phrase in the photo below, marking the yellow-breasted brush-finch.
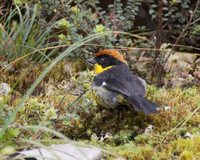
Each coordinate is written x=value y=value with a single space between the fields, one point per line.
x=115 y=84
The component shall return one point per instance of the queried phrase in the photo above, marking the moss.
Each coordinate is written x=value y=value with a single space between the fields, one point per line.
x=181 y=106
x=142 y=139
x=194 y=120
x=84 y=120
x=131 y=151
x=186 y=155
x=186 y=149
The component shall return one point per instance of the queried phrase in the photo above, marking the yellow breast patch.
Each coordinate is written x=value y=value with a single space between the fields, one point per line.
x=98 y=68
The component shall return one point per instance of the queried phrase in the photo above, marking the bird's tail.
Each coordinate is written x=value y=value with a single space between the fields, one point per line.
x=140 y=104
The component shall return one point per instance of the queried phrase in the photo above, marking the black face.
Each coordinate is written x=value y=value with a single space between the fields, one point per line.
x=106 y=60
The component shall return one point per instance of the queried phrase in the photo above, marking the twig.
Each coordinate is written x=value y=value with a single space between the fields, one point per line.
x=181 y=124
x=84 y=92
x=65 y=95
x=159 y=25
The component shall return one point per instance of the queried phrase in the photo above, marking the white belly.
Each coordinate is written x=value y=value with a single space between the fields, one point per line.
x=104 y=97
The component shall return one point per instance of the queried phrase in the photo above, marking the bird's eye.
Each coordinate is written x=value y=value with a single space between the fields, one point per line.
x=102 y=59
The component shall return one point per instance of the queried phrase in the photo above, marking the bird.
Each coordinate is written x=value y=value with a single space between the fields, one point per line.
x=114 y=84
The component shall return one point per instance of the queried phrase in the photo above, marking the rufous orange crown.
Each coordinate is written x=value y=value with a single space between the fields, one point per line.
x=113 y=53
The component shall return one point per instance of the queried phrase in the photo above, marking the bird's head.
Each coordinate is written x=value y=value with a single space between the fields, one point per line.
x=106 y=59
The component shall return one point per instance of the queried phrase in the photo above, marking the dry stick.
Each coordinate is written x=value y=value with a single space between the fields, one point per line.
x=39 y=149
x=65 y=95
x=84 y=92
x=184 y=46
x=1 y=13
x=35 y=136
x=98 y=13
x=54 y=17
x=159 y=26
x=9 y=40
x=184 y=29
x=158 y=41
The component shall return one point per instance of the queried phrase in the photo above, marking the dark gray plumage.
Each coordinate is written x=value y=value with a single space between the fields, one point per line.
x=120 y=79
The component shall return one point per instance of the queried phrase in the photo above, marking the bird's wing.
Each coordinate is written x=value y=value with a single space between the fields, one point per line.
x=115 y=85
x=120 y=80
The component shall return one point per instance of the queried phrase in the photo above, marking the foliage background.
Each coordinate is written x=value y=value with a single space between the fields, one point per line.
x=33 y=34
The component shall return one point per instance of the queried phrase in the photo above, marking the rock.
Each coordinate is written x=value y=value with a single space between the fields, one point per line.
x=182 y=82
x=149 y=129
x=167 y=108
x=197 y=74
x=164 y=108
x=50 y=89
x=184 y=75
x=188 y=135
x=94 y=137
x=4 y=89
x=61 y=152
x=68 y=69
x=105 y=137
x=179 y=62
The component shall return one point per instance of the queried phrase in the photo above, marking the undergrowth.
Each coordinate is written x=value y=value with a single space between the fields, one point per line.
x=49 y=103
x=120 y=130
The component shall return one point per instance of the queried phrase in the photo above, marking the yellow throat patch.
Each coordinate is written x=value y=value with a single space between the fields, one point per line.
x=98 y=68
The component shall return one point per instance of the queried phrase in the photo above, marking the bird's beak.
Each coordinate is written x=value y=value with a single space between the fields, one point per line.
x=91 y=61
